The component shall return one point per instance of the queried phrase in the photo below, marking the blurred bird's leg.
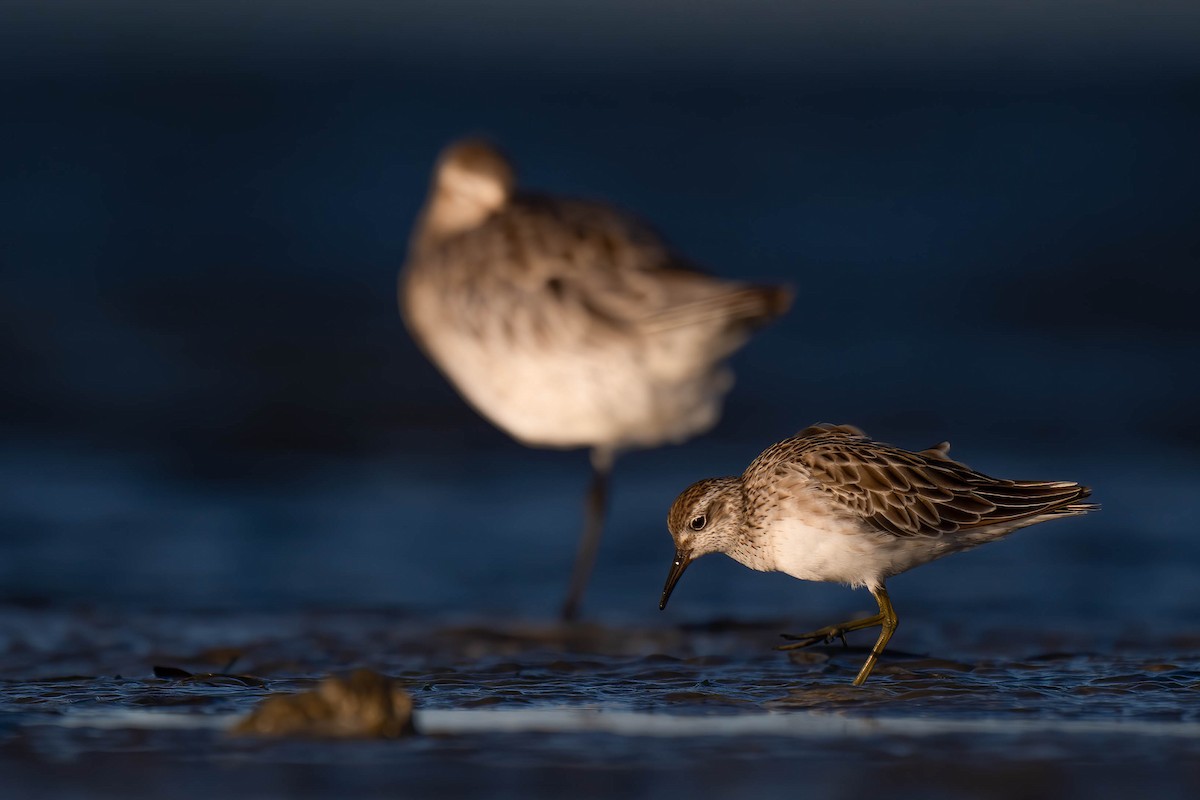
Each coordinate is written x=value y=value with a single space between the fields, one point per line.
x=885 y=619
x=593 y=526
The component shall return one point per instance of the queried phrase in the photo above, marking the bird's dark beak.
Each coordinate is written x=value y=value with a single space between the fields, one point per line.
x=682 y=560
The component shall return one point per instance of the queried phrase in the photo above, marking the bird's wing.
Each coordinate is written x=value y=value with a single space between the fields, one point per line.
x=590 y=256
x=626 y=273
x=578 y=240
x=914 y=494
x=939 y=450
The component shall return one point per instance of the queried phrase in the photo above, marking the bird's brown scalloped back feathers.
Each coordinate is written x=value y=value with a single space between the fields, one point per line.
x=919 y=493
x=940 y=450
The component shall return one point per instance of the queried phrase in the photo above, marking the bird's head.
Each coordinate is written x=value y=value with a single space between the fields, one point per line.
x=707 y=517
x=472 y=180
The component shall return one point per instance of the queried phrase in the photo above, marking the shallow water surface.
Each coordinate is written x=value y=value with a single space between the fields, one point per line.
x=220 y=451
x=512 y=707
x=1062 y=661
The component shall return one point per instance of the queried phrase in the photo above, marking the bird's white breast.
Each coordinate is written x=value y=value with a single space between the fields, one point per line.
x=826 y=550
x=561 y=392
x=843 y=550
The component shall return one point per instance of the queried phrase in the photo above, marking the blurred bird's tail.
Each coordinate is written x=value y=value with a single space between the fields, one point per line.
x=744 y=308
x=773 y=302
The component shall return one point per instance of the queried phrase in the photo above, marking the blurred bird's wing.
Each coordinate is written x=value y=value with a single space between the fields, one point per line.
x=608 y=272
x=624 y=271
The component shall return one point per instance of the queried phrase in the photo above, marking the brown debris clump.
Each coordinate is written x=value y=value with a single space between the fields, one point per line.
x=365 y=705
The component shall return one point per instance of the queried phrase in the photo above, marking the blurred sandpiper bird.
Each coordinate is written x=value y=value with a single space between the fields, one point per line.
x=568 y=323
x=830 y=504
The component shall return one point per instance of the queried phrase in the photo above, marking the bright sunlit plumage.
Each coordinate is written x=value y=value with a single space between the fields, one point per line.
x=830 y=504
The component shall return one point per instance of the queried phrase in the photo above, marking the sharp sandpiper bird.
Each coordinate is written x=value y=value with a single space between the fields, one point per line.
x=831 y=504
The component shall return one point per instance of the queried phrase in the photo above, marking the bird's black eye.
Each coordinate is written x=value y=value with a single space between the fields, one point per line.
x=698 y=522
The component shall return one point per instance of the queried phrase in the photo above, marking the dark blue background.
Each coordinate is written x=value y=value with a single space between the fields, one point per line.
x=989 y=218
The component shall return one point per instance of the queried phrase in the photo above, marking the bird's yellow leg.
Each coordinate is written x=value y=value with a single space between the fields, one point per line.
x=885 y=619
x=887 y=628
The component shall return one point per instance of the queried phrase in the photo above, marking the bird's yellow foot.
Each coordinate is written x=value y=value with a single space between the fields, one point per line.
x=828 y=634
x=886 y=620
